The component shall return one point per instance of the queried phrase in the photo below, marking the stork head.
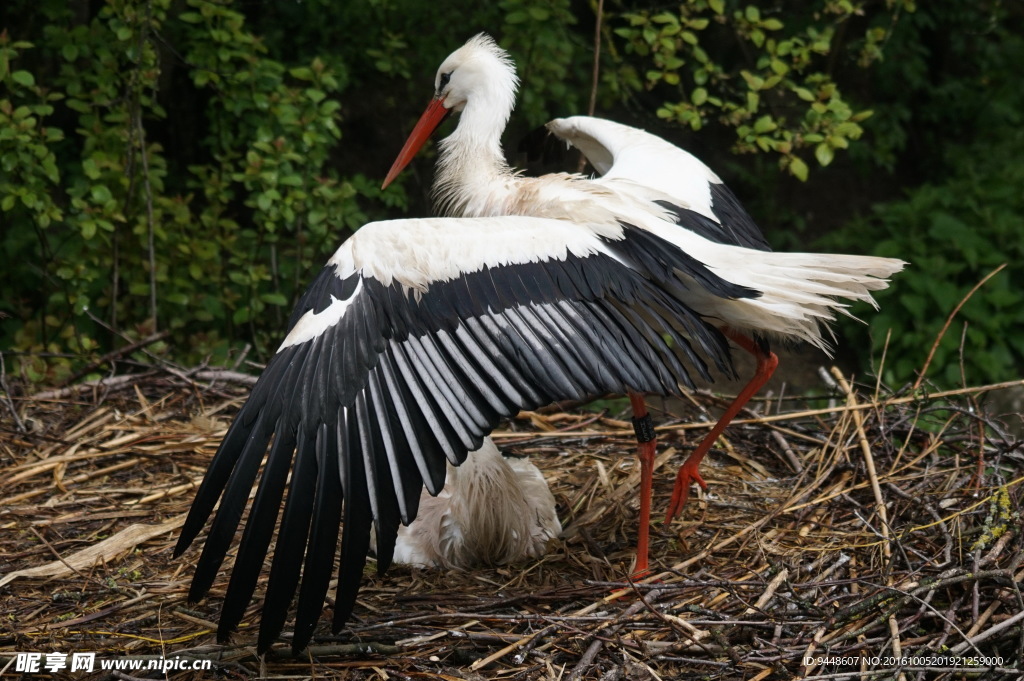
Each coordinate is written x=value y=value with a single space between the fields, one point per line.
x=479 y=71
x=477 y=80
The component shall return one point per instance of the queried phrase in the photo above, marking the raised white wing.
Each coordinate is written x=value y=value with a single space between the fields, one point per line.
x=645 y=165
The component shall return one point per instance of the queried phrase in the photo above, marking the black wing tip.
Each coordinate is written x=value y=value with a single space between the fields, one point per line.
x=344 y=604
x=193 y=524
x=224 y=631
x=734 y=226
x=662 y=257
x=265 y=647
x=265 y=642
x=181 y=547
x=197 y=590
x=301 y=641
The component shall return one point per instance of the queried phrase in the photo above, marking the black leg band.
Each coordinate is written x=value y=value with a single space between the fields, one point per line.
x=644 y=428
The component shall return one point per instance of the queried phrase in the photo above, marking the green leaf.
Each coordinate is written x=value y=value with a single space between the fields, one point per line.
x=50 y=169
x=100 y=194
x=699 y=96
x=90 y=169
x=274 y=299
x=753 y=81
x=804 y=94
x=798 y=168
x=23 y=78
x=824 y=154
x=765 y=124
x=838 y=142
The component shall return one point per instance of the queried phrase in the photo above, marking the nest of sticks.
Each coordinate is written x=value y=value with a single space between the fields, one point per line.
x=858 y=534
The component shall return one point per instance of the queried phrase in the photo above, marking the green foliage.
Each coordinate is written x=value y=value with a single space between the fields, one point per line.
x=108 y=237
x=781 y=97
x=164 y=169
x=28 y=163
x=959 y=227
x=537 y=35
x=184 y=166
x=953 y=234
x=270 y=132
x=946 y=64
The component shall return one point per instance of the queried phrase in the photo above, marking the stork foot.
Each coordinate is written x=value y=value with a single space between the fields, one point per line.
x=767 y=361
x=687 y=474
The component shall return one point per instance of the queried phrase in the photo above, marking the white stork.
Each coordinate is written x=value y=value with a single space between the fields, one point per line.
x=403 y=354
x=650 y=184
x=421 y=335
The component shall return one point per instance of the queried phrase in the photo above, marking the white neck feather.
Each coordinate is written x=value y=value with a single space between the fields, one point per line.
x=473 y=178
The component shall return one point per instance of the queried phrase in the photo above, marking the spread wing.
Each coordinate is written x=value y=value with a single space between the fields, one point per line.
x=406 y=350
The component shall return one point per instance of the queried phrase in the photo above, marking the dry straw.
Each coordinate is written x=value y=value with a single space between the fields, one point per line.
x=884 y=525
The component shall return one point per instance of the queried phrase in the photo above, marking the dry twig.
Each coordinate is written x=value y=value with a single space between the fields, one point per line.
x=770 y=571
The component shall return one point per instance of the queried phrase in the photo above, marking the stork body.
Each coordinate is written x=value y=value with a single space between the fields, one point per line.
x=650 y=184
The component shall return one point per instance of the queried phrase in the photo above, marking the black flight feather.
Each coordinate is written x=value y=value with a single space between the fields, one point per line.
x=259 y=528
x=323 y=543
x=291 y=540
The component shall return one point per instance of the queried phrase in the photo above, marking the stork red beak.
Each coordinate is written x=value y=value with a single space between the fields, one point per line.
x=425 y=126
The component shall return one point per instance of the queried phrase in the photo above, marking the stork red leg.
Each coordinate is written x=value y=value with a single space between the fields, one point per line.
x=766 y=364
x=646 y=443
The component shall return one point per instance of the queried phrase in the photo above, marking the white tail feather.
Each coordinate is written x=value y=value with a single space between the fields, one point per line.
x=800 y=292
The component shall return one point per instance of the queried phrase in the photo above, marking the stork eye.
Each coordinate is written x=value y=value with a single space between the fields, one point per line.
x=445 y=77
